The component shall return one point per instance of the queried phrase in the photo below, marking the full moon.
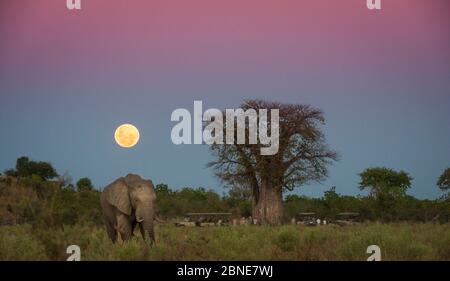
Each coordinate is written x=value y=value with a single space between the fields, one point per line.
x=126 y=135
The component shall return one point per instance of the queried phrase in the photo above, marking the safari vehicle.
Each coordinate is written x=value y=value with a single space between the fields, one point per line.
x=205 y=219
x=347 y=218
x=306 y=218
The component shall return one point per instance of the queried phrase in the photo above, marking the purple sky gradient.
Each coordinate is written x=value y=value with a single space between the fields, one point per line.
x=69 y=78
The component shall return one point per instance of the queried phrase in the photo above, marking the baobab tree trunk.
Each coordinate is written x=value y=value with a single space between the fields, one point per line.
x=268 y=205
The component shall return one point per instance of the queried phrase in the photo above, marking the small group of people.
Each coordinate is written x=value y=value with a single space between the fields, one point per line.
x=244 y=221
x=310 y=221
x=324 y=222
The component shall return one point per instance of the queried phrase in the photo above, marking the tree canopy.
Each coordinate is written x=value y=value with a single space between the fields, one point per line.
x=84 y=184
x=27 y=168
x=444 y=180
x=384 y=182
x=303 y=156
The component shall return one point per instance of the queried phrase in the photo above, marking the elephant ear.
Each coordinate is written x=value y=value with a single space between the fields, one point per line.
x=117 y=195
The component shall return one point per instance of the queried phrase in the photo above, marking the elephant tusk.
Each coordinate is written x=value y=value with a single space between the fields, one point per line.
x=139 y=219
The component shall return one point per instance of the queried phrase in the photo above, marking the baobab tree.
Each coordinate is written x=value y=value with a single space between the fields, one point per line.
x=303 y=156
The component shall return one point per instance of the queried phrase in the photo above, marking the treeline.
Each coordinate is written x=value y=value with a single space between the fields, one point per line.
x=405 y=208
x=34 y=193
x=171 y=203
x=47 y=203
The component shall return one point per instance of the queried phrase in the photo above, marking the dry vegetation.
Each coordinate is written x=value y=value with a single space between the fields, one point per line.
x=39 y=219
x=397 y=242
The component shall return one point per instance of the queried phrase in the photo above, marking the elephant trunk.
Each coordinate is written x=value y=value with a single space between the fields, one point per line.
x=148 y=227
x=147 y=216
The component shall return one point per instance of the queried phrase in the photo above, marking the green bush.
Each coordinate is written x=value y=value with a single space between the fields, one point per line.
x=286 y=240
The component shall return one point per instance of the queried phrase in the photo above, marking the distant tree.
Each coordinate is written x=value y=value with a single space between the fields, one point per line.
x=386 y=185
x=331 y=194
x=162 y=190
x=84 y=184
x=27 y=168
x=23 y=167
x=444 y=180
x=166 y=204
x=303 y=156
x=43 y=169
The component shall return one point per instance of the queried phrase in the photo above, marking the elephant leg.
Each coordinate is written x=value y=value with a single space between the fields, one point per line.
x=111 y=231
x=141 y=228
x=133 y=227
x=151 y=233
x=124 y=227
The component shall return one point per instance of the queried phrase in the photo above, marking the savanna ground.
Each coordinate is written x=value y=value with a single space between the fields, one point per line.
x=400 y=241
x=40 y=218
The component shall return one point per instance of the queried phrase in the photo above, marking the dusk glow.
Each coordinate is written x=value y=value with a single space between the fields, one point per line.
x=68 y=77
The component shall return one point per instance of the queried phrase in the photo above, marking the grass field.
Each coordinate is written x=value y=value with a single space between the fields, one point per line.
x=397 y=242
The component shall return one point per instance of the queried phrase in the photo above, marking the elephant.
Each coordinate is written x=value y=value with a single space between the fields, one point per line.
x=126 y=203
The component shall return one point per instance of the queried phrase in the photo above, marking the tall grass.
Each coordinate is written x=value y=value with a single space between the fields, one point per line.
x=289 y=242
